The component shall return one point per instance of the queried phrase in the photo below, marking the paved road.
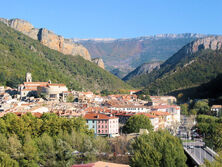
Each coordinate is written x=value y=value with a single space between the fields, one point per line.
x=198 y=151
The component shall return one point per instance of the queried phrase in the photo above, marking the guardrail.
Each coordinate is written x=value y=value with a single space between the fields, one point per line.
x=211 y=152
x=193 y=157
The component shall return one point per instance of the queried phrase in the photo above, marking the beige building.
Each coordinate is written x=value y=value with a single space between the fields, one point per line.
x=2 y=89
x=53 y=92
x=57 y=92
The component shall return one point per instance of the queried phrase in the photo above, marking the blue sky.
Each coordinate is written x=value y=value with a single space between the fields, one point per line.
x=118 y=18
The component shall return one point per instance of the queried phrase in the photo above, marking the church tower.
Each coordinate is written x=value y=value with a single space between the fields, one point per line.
x=28 y=77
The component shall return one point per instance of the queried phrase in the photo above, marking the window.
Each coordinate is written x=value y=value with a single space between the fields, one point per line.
x=87 y=121
x=93 y=121
x=98 y=131
x=106 y=131
x=99 y=126
x=93 y=126
x=102 y=131
x=52 y=95
x=106 y=126
x=102 y=126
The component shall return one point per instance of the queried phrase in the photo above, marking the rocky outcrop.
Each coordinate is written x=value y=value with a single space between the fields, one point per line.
x=211 y=42
x=48 y=38
x=145 y=68
x=99 y=62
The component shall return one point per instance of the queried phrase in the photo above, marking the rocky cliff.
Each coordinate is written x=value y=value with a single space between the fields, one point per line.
x=145 y=68
x=48 y=38
x=99 y=62
x=211 y=42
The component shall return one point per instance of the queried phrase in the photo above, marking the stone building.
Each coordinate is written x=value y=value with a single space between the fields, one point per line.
x=48 y=90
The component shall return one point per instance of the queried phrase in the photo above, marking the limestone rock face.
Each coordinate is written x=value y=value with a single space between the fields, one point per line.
x=48 y=38
x=212 y=42
x=99 y=62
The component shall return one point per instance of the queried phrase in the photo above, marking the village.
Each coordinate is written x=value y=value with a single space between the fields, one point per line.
x=105 y=114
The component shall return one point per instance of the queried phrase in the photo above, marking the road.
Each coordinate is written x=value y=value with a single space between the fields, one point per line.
x=198 y=152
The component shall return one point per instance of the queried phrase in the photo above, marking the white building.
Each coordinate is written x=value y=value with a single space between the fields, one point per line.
x=131 y=108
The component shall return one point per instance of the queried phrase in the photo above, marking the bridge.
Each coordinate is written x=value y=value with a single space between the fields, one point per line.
x=198 y=152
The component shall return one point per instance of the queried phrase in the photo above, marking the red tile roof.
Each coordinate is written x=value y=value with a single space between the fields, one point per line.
x=97 y=116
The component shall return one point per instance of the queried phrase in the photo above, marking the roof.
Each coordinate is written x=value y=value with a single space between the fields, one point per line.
x=216 y=106
x=101 y=164
x=166 y=106
x=35 y=83
x=159 y=113
x=34 y=89
x=97 y=116
x=148 y=115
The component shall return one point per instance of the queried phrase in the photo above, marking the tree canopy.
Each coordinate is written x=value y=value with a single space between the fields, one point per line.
x=47 y=141
x=157 y=149
x=137 y=122
x=210 y=127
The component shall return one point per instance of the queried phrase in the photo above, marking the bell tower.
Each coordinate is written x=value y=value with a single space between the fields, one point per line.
x=28 y=77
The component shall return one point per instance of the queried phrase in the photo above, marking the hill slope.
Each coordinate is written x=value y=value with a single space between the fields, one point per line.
x=127 y=54
x=143 y=69
x=20 y=54
x=211 y=89
x=195 y=64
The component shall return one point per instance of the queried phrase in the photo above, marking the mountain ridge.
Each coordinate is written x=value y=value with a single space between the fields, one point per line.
x=194 y=64
x=127 y=54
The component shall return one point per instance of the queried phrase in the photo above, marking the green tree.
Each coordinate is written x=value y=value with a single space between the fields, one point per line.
x=30 y=151
x=202 y=107
x=184 y=109
x=47 y=152
x=70 y=98
x=6 y=161
x=14 y=148
x=157 y=149
x=137 y=122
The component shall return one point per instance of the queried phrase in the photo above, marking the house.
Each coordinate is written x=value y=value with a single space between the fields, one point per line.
x=165 y=118
x=2 y=89
x=101 y=164
x=217 y=109
x=133 y=91
x=102 y=124
x=157 y=100
x=174 y=110
x=131 y=108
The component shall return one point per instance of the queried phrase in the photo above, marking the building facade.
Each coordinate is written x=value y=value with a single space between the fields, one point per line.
x=102 y=124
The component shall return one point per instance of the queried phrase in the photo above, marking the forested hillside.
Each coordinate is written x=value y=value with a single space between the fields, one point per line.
x=20 y=54
x=191 y=66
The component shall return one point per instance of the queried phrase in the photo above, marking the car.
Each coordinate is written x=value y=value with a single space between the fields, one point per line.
x=190 y=147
